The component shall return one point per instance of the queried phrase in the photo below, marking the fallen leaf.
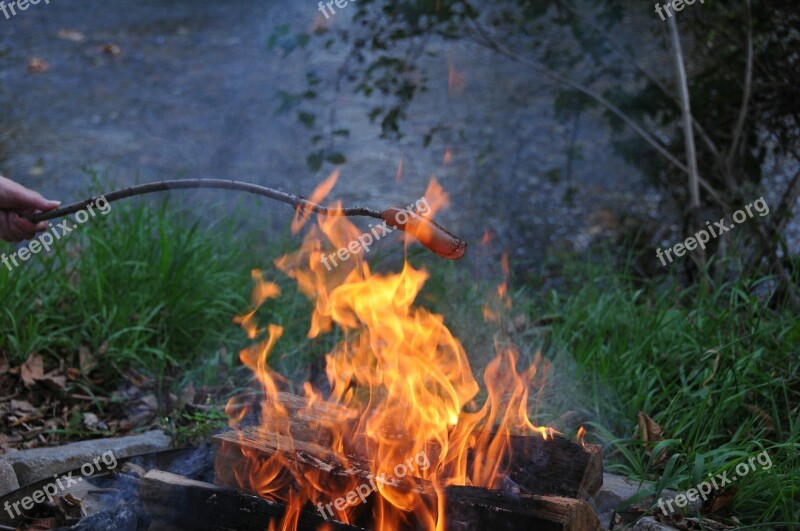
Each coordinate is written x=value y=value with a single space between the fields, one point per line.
x=86 y=360
x=651 y=434
x=720 y=499
x=90 y=421
x=37 y=65
x=71 y=35
x=54 y=381
x=22 y=405
x=32 y=370
x=769 y=422
x=649 y=429
x=111 y=49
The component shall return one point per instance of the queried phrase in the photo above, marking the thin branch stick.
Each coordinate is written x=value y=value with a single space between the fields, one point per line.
x=164 y=186
x=645 y=72
x=430 y=234
x=491 y=44
x=688 y=135
x=748 y=81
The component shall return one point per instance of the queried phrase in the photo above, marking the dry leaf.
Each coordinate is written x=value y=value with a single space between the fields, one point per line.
x=769 y=422
x=651 y=434
x=54 y=380
x=86 y=360
x=22 y=406
x=32 y=370
x=112 y=49
x=71 y=35
x=719 y=499
x=38 y=65
x=649 y=429
x=90 y=421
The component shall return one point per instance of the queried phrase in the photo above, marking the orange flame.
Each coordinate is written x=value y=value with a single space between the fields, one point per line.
x=401 y=388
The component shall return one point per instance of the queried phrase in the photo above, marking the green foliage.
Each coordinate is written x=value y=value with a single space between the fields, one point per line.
x=195 y=427
x=161 y=295
x=717 y=371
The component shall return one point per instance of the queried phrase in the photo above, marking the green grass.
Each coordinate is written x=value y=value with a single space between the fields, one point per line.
x=159 y=294
x=717 y=371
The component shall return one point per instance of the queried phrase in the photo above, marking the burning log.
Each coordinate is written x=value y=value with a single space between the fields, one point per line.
x=556 y=466
x=175 y=502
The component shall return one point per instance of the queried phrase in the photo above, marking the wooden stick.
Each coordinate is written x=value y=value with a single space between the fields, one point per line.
x=429 y=233
x=164 y=186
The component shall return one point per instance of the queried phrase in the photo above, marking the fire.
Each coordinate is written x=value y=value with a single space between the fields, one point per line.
x=400 y=387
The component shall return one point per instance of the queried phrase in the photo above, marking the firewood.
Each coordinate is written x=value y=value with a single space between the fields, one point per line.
x=176 y=503
x=555 y=466
x=467 y=508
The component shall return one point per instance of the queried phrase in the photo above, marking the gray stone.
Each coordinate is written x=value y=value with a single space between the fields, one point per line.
x=651 y=524
x=8 y=478
x=32 y=465
x=618 y=489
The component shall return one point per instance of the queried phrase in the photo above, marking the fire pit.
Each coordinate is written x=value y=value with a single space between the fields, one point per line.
x=399 y=438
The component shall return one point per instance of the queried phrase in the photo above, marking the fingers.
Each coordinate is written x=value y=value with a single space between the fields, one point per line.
x=14 y=228
x=14 y=196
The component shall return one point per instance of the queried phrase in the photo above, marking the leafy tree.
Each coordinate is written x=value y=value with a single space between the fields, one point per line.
x=742 y=68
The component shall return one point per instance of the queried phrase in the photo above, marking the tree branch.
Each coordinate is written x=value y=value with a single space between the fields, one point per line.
x=748 y=80
x=688 y=135
x=164 y=186
x=430 y=234
x=646 y=73
x=491 y=44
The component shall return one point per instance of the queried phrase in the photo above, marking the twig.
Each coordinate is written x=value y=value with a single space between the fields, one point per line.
x=645 y=72
x=688 y=136
x=748 y=78
x=429 y=233
x=488 y=42
x=164 y=186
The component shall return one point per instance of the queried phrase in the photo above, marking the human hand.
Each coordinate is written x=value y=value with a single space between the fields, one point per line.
x=15 y=201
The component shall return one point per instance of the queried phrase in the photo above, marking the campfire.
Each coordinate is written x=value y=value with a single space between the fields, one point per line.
x=403 y=436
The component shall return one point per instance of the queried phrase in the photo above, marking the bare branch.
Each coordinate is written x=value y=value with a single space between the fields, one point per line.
x=748 y=80
x=164 y=186
x=492 y=44
x=646 y=73
x=688 y=136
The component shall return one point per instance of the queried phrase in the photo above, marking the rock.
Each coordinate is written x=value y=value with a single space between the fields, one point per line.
x=618 y=489
x=8 y=478
x=32 y=465
x=651 y=524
